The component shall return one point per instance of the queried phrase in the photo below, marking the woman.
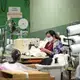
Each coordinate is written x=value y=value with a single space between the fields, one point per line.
x=15 y=65
x=54 y=45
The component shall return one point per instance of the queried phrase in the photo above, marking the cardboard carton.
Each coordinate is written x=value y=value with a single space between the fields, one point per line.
x=52 y=78
x=32 y=75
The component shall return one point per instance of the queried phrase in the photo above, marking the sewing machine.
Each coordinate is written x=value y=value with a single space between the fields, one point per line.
x=25 y=44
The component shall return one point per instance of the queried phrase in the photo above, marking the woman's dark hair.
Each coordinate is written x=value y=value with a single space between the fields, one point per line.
x=53 y=33
x=15 y=55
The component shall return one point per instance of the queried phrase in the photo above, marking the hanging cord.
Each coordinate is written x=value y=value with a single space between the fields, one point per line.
x=3 y=52
x=3 y=4
x=27 y=3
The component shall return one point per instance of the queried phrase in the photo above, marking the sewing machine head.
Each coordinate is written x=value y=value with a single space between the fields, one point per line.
x=25 y=44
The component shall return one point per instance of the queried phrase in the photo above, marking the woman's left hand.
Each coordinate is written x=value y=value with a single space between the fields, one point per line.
x=43 y=49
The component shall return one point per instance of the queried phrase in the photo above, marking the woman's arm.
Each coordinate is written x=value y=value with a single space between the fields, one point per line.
x=57 y=47
x=46 y=50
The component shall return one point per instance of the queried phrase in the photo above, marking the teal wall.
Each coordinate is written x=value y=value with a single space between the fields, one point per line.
x=46 y=14
x=25 y=9
x=41 y=34
x=60 y=29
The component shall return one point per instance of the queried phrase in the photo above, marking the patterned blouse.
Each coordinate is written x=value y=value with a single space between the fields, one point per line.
x=55 y=47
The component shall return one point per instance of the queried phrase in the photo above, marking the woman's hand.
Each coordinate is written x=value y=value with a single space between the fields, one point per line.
x=43 y=49
x=46 y=50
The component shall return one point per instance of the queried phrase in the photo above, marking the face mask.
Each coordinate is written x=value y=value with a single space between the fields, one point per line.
x=49 y=39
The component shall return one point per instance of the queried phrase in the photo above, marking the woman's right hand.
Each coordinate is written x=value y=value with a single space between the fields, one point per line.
x=42 y=49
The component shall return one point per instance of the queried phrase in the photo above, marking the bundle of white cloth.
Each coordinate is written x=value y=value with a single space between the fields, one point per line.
x=42 y=43
x=74 y=29
x=75 y=48
x=36 y=52
x=76 y=39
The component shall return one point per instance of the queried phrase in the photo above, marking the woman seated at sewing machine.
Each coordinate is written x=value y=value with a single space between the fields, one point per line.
x=54 y=45
x=15 y=65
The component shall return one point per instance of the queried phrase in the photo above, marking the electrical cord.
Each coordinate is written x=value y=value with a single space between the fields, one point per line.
x=3 y=4
x=26 y=2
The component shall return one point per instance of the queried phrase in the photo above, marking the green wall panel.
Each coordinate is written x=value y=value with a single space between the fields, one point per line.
x=20 y=3
x=25 y=9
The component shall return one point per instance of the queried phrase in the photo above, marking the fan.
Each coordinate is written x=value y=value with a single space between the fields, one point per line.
x=23 y=23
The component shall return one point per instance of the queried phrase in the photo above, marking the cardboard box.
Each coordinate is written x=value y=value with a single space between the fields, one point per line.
x=32 y=75
x=9 y=75
x=52 y=78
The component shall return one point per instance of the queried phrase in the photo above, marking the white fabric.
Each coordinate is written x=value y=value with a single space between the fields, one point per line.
x=9 y=47
x=42 y=44
x=16 y=66
x=36 y=52
x=0 y=31
x=9 y=41
x=39 y=66
x=1 y=49
x=62 y=59
x=75 y=48
x=74 y=29
x=76 y=38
